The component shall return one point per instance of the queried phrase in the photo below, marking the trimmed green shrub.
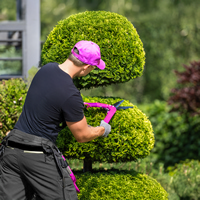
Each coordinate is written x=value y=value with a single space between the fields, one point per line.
x=186 y=179
x=176 y=138
x=12 y=97
x=131 y=136
x=121 y=48
x=144 y=166
x=119 y=185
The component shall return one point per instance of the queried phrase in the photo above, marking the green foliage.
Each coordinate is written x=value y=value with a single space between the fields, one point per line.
x=169 y=32
x=119 y=185
x=131 y=136
x=10 y=67
x=186 y=179
x=168 y=29
x=31 y=73
x=176 y=136
x=172 y=40
x=144 y=166
x=12 y=97
x=121 y=47
x=8 y=10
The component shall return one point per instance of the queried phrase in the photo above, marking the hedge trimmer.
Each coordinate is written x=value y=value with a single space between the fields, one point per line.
x=111 y=110
x=71 y=175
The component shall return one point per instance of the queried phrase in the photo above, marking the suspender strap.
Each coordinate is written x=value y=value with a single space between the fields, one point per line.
x=2 y=146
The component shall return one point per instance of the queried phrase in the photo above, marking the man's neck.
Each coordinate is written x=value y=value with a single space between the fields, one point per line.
x=68 y=67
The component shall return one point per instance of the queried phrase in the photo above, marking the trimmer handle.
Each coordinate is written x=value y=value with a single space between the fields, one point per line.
x=71 y=175
x=110 y=109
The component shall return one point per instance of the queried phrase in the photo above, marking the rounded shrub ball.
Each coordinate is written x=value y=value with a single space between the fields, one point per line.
x=119 y=185
x=131 y=135
x=121 y=48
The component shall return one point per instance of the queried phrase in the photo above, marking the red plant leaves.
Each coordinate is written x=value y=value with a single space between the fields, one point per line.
x=186 y=98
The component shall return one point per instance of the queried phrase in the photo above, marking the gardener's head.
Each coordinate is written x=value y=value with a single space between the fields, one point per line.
x=86 y=53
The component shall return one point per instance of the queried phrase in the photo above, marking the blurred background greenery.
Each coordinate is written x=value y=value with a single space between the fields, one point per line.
x=170 y=32
x=168 y=29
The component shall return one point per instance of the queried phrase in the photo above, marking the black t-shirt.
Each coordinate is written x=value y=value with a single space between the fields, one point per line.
x=52 y=99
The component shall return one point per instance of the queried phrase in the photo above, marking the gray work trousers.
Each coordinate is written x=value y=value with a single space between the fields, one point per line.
x=26 y=170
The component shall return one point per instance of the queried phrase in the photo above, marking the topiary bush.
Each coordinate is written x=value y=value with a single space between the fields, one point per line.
x=123 y=53
x=121 y=48
x=12 y=97
x=131 y=136
x=119 y=185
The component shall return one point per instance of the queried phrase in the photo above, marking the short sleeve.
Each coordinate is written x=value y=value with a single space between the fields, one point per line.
x=73 y=108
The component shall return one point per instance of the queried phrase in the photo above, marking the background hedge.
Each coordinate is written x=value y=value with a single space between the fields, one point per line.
x=121 y=47
x=12 y=97
x=176 y=139
x=186 y=179
x=131 y=136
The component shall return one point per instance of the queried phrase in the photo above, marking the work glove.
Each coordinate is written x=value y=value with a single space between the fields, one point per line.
x=107 y=128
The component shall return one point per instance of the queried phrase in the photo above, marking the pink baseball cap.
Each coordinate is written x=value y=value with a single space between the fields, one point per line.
x=89 y=53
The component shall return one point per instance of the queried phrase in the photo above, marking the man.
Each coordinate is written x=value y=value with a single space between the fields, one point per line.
x=31 y=163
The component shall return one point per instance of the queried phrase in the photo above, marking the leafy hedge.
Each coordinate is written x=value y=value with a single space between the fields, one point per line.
x=12 y=96
x=119 y=185
x=186 y=179
x=131 y=136
x=121 y=48
x=176 y=138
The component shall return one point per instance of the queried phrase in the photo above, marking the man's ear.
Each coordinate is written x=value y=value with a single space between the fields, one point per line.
x=86 y=67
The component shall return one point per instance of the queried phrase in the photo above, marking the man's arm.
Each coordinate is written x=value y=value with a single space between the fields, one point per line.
x=84 y=133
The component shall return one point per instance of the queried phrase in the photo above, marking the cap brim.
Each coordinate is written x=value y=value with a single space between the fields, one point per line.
x=101 y=65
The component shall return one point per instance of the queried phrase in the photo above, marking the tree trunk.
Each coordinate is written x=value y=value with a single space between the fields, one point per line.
x=87 y=166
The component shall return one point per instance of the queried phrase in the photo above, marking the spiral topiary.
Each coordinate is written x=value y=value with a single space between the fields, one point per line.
x=121 y=47
x=132 y=135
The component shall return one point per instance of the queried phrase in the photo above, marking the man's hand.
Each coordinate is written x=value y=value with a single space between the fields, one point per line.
x=107 y=128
